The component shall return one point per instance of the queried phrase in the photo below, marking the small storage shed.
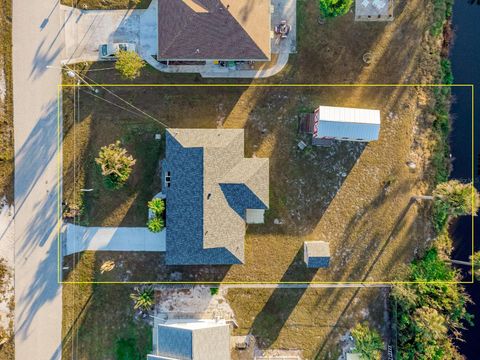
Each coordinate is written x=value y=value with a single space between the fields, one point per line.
x=316 y=254
x=349 y=124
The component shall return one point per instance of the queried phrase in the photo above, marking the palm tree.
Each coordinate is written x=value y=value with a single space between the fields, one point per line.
x=143 y=297
x=457 y=197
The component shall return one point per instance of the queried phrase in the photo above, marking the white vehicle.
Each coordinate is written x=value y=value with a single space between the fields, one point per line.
x=109 y=51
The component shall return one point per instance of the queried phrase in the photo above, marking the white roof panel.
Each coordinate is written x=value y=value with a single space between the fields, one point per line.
x=349 y=115
x=346 y=123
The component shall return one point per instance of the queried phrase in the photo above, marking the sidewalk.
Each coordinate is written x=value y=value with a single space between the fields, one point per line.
x=78 y=238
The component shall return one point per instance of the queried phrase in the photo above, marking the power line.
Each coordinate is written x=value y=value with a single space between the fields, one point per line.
x=118 y=97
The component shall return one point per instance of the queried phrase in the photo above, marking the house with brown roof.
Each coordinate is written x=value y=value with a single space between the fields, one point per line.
x=217 y=30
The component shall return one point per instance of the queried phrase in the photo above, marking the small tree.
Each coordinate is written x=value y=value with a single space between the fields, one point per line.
x=116 y=165
x=368 y=342
x=143 y=297
x=155 y=224
x=333 y=8
x=129 y=64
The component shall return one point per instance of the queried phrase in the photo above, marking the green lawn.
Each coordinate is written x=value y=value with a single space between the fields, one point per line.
x=99 y=321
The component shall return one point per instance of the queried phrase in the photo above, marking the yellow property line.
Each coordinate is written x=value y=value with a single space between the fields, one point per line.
x=59 y=215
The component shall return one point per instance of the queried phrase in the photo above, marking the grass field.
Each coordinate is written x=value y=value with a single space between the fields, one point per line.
x=99 y=321
x=7 y=350
x=6 y=106
x=353 y=196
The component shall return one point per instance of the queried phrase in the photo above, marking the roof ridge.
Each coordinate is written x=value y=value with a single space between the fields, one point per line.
x=187 y=23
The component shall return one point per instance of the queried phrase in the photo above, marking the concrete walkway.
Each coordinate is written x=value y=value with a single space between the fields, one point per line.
x=80 y=238
x=37 y=42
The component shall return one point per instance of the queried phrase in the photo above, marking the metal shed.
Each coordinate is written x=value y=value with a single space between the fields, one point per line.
x=316 y=254
x=349 y=124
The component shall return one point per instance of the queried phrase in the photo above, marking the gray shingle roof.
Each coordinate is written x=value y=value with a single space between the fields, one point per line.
x=214 y=29
x=212 y=185
x=196 y=340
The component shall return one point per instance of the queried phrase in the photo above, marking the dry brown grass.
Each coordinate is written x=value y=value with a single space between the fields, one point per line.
x=366 y=215
x=309 y=320
x=6 y=105
x=107 y=4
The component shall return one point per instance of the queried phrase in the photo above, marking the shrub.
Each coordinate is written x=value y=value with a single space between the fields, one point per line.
x=116 y=165
x=368 y=342
x=126 y=349
x=333 y=8
x=213 y=291
x=129 y=64
x=155 y=224
x=430 y=314
x=143 y=297
x=157 y=206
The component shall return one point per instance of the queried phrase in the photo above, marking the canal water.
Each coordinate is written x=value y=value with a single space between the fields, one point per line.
x=465 y=58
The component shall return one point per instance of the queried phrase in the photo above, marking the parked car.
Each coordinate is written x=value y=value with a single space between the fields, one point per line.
x=109 y=51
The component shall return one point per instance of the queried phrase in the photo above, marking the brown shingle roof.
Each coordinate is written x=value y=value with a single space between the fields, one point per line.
x=214 y=29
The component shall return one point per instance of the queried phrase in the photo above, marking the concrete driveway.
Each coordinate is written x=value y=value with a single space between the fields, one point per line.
x=86 y=30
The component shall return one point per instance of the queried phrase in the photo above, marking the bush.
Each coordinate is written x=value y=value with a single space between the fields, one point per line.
x=430 y=314
x=213 y=291
x=368 y=342
x=126 y=349
x=129 y=64
x=115 y=164
x=333 y=8
x=157 y=206
x=143 y=297
x=155 y=224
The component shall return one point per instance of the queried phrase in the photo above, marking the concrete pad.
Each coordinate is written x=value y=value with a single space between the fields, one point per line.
x=86 y=30
x=80 y=238
x=285 y=10
x=374 y=10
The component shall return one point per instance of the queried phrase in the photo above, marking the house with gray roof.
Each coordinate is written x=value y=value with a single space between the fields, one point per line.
x=195 y=30
x=191 y=340
x=211 y=191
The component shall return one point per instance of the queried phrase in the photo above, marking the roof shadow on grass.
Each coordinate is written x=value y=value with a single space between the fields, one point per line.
x=271 y=319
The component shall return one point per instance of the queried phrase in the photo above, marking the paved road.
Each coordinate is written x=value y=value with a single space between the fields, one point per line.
x=37 y=42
